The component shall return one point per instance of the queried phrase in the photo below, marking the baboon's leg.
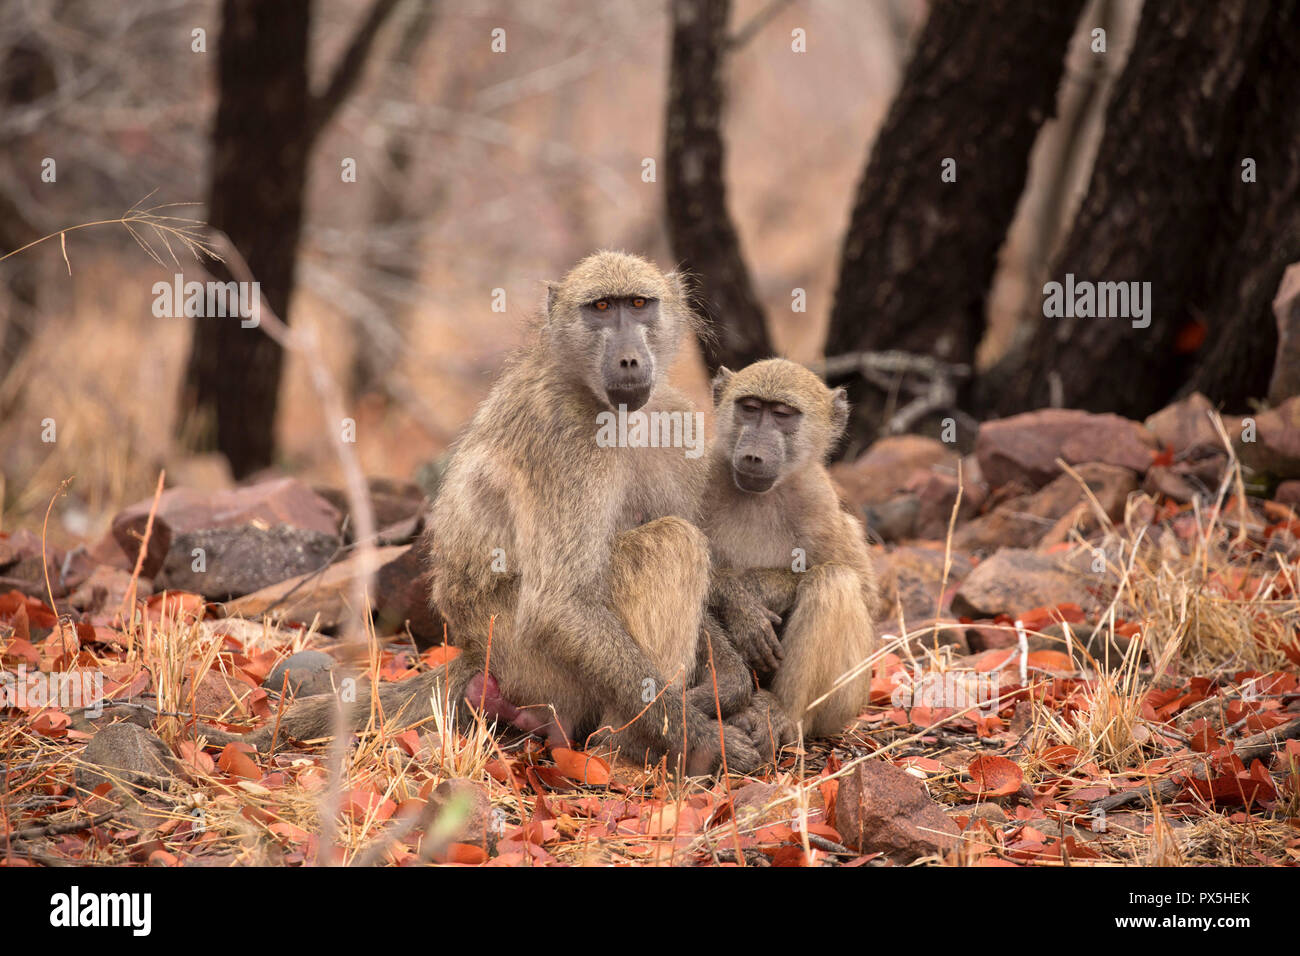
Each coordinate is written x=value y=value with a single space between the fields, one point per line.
x=659 y=582
x=717 y=660
x=659 y=579
x=827 y=634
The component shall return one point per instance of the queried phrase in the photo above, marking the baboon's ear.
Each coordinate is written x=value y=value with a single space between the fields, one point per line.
x=720 y=383
x=839 y=413
x=552 y=290
x=680 y=285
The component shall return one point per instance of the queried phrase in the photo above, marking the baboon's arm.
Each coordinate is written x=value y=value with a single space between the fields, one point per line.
x=750 y=603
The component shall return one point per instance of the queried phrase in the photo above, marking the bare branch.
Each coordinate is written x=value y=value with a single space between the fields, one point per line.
x=349 y=67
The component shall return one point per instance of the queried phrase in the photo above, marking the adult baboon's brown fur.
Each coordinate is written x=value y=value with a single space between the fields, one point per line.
x=585 y=558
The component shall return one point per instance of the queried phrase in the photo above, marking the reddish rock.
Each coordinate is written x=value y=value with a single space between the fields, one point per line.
x=1024 y=521
x=1185 y=424
x=914 y=574
x=284 y=502
x=402 y=589
x=884 y=468
x=882 y=809
x=393 y=503
x=1276 y=448
x=329 y=594
x=1024 y=448
x=936 y=493
x=1014 y=580
x=467 y=803
x=104 y=590
x=1288 y=492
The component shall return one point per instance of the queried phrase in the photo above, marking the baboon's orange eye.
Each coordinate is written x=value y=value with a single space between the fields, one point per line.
x=601 y=304
x=638 y=303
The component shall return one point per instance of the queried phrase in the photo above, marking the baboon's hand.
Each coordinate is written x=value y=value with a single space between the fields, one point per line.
x=706 y=745
x=767 y=725
x=752 y=629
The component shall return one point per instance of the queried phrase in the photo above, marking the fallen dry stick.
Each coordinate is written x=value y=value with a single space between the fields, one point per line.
x=1253 y=747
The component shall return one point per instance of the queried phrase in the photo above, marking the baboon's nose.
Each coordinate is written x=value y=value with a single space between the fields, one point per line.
x=629 y=362
x=751 y=459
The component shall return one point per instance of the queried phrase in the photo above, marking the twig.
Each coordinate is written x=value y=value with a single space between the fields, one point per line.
x=128 y=599
x=1249 y=749
x=55 y=829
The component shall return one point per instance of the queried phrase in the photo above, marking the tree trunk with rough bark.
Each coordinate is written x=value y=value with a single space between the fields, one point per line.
x=1166 y=205
x=703 y=237
x=920 y=252
x=266 y=124
x=260 y=145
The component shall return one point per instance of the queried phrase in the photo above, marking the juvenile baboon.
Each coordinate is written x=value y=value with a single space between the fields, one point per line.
x=778 y=533
x=581 y=552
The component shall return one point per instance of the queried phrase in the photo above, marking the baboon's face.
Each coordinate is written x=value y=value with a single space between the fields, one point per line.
x=616 y=321
x=767 y=442
x=624 y=327
x=774 y=417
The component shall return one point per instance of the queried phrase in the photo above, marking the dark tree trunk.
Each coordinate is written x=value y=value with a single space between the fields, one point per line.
x=266 y=123
x=1167 y=170
x=26 y=75
x=920 y=253
x=260 y=145
x=700 y=229
x=1260 y=232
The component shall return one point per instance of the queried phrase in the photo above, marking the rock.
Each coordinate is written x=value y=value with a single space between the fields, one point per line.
x=327 y=594
x=1285 y=382
x=244 y=558
x=1288 y=493
x=915 y=573
x=16 y=546
x=309 y=673
x=1276 y=448
x=105 y=589
x=1163 y=480
x=1185 y=424
x=277 y=502
x=881 y=808
x=402 y=601
x=936 y=493
x=759 y=804
x=1024 y=448
x=22 y=567
x=885 y=467
x=392 y=502
x=1014 y=580
x=1025 y=520
x=468 y=803
x=216 y=696
x=892 y=520
x=128 y=753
